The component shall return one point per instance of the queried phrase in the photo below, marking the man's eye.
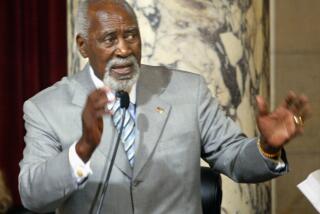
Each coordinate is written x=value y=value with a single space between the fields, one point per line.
x=108 y=40
x=131 y=37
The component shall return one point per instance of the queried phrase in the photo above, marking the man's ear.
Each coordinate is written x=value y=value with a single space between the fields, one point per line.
x=82 y=46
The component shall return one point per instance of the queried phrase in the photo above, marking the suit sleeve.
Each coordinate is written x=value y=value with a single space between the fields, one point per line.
x=45 y=178
x=226 y=148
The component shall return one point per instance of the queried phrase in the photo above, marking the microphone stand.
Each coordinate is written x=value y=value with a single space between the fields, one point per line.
x=124 y=104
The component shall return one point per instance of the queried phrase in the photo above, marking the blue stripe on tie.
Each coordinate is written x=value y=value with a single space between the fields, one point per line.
x=131 y=161
x=129 y=143
x=128 y=134
x=128 y=131
x=115 y=111
x=130 y=154
x=117 y=122
x=127 y=119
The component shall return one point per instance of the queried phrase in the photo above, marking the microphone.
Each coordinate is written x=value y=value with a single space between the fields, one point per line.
x=124 y=104
x=124 y=99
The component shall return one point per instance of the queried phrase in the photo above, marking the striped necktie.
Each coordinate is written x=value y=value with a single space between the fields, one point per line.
x=128 y=132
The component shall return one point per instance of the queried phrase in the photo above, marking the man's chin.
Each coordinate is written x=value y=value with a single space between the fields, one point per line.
x=121 y=80
x=124 y=83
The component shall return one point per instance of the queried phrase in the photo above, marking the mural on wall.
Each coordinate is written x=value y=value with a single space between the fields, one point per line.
x=224 y=40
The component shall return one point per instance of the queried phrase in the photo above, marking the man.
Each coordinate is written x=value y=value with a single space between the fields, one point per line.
x=72 y=126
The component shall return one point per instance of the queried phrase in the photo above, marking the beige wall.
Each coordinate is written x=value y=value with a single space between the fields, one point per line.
x=297 y=67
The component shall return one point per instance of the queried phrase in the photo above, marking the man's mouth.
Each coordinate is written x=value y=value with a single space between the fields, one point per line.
x=121 y=70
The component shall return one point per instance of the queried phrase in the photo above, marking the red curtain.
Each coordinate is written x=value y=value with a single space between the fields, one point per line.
x=33 y=55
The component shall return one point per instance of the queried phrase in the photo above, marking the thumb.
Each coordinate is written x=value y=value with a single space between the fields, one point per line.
x=262 y=106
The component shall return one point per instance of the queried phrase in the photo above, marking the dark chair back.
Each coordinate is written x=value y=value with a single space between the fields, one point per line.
x=211 y=191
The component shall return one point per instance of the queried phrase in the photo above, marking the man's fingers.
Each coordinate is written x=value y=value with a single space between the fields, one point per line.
x=262 y=105
x=305 y=108
x=97 y=102
x=99 y=99
x=105 y=90
x=98 y=93
x=95 y=96
x=300 y=108
x=305 y=113
x=100 y=113
x=289 y=100
x=298 y=105
x=100 y=103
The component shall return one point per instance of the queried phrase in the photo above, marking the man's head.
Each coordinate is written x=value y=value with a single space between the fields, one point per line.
x=108 y=34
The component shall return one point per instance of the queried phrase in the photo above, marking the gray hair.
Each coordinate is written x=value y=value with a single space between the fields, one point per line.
x=83 y=23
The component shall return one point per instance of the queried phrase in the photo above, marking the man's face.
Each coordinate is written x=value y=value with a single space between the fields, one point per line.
x=113 y=45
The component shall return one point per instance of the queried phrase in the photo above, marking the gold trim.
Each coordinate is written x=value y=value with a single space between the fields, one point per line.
x=266 y=154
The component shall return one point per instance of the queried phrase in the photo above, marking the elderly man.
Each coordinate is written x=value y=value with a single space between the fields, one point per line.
x=171 y=122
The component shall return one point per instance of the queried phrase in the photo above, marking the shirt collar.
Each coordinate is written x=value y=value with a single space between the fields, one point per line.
x=99 y=84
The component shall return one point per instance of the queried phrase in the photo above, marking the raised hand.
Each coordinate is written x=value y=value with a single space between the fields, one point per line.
x=284 y=123
x=92 y=123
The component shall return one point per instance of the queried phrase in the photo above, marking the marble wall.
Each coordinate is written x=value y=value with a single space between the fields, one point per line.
x=224 y=40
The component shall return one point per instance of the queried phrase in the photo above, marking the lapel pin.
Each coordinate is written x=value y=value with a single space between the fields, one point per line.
x=160 y=110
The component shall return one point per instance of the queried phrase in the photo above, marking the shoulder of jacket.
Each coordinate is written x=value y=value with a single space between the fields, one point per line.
x=59 y=90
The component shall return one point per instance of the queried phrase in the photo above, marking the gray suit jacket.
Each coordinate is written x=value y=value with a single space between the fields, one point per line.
x=166 y=173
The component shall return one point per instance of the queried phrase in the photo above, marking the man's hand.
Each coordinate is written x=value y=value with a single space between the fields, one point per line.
x=92 y=123
x=284 y=123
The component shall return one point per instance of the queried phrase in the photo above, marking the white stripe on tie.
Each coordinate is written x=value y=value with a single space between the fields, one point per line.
x=128 y=132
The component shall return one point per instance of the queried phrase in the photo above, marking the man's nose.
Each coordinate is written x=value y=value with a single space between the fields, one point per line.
x=123 y=49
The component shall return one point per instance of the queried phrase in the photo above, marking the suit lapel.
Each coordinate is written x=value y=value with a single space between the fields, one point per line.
x=152 y=114
x=83 y=87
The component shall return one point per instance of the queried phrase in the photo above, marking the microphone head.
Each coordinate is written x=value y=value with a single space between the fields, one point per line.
x=124 y=99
